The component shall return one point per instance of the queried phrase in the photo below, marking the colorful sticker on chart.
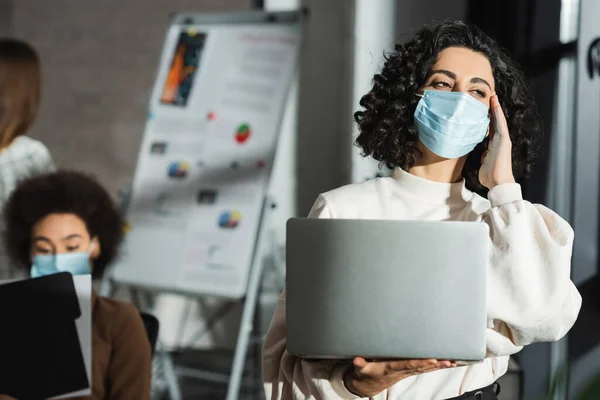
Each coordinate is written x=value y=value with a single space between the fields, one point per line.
x=126 y=227
x=242 y=133
x=206 y=196
x=230 y=219
x=200 y=163
x=260 y=164
x=184 y=66
x=235 y=165
x=158 y=148
x=178 y=169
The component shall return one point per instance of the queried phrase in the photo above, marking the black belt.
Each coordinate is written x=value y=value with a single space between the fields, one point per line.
x=486 y=393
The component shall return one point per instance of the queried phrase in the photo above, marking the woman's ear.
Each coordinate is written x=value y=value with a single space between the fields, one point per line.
x=96 y=250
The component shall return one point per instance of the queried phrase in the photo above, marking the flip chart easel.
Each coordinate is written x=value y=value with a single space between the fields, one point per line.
x=198 y=212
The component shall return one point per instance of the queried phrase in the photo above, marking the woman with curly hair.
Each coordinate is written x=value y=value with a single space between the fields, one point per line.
x=66 y=221
x=451 y=113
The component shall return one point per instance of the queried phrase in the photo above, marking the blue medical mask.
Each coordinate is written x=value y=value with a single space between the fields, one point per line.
x=450 y=124
x=75 y=263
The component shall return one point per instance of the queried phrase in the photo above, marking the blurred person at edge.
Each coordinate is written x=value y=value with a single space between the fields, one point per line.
x=21 y=157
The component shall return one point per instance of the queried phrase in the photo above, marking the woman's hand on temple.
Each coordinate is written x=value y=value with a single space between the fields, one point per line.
x=366 y=379
x=496 y=163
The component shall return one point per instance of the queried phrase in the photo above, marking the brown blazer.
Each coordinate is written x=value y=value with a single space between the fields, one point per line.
x=121 y=355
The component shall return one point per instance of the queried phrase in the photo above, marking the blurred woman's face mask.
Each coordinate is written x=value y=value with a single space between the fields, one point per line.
x=450 y=124
x=76 y=263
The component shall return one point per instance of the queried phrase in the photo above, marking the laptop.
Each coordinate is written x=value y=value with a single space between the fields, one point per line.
x=386 y=289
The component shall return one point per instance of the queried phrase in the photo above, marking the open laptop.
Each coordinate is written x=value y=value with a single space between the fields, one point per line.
x=386 y=289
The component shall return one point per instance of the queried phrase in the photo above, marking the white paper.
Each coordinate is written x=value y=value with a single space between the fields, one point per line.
x=83 y=286
x=204 y=163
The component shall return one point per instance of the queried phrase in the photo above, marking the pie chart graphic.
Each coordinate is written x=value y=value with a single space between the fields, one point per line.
x=242 y=133
x=230 y=219
x=179 y=169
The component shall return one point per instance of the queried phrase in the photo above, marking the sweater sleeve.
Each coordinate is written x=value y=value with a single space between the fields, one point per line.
x=288 y=377
x=530 y=294
x=42 y=160
x=130 y=368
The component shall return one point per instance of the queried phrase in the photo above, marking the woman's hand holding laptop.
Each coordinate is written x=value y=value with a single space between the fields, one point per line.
x=366 y=379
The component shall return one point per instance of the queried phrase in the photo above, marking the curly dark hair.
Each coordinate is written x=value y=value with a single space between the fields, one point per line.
x=386 y=127
x=62 y=192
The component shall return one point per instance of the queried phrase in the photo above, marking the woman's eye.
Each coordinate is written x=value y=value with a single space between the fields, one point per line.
x=440 y=84
x=479 y=92
x=72 y=248
x=42 y=251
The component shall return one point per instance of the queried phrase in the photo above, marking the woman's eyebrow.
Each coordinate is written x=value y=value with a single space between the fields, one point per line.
x=449 y=74
x=481 y=80
x=452 y=75
x=73 y=236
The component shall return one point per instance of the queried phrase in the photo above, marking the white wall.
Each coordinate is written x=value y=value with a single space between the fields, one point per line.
x=374 y=34
x=284 y=181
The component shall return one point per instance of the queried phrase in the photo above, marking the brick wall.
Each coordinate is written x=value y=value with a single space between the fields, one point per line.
x=99 y=60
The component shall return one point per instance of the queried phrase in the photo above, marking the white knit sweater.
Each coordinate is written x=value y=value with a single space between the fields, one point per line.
x=530 y=295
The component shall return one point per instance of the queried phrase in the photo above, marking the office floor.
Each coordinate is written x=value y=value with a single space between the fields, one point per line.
x=219 y=362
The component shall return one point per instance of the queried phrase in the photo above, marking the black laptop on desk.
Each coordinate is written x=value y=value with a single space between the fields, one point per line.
x=40 y=354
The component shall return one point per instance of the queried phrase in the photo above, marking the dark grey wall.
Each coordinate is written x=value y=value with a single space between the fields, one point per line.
x=323 y=87
x=5 y=17
x=523 y=28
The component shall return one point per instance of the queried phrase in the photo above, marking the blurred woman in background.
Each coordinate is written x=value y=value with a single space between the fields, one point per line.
x=21 y=157
x=67 y=222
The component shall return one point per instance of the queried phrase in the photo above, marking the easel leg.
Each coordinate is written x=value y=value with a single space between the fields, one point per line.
x=250 y=305
x=144 y=302
x=170 y=374
x=245 y=333
x=257 y=352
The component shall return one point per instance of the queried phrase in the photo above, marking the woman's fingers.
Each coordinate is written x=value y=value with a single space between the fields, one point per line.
x=409 y=367
x=405 y=365
x=427 y=368
x=360 y=362
x=392 y=371
x=499 y=120
x=401 y=365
